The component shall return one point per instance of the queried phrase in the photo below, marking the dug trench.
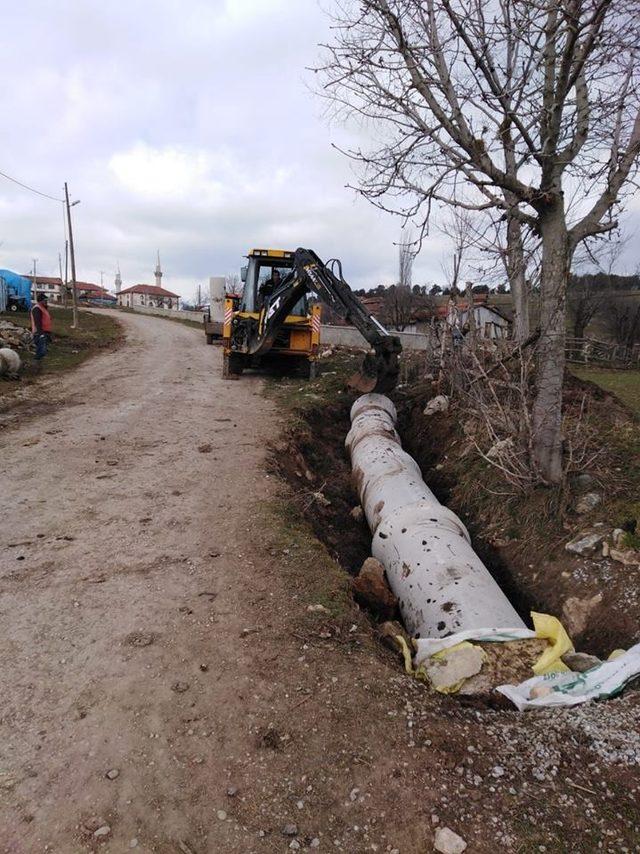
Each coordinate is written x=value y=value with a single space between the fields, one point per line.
x=520 y=541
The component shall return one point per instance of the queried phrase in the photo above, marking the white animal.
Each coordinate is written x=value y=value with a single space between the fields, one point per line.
x=9 y=362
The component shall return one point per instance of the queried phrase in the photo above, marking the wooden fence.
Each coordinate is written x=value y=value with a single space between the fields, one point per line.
x=590 y=351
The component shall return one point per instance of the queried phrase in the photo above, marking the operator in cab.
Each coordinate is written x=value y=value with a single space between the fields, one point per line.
x=271 y=285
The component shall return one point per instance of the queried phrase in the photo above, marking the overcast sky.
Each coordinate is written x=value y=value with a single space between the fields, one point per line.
x=183 y=126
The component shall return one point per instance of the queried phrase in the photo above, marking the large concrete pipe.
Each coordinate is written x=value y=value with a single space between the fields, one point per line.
x=442 y=585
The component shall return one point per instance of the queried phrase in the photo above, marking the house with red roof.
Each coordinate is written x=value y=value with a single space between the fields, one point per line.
x=151 y=296
x=148 y=295
x=53 y=287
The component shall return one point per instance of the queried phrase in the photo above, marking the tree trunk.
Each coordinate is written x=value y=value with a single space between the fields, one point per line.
x=547 y=406
x=518 y=280
x=471 y=316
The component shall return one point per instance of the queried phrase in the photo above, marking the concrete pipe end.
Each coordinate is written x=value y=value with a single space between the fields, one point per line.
x=374 y=401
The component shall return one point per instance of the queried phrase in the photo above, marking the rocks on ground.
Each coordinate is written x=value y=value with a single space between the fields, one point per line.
x=370 y=588
x=448 y=842
x=576 y=612
x=12 y=335
x=588 y=502
x=439 y=403
x=585 y=543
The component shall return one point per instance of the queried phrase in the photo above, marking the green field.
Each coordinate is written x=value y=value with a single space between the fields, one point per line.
x=624 y=384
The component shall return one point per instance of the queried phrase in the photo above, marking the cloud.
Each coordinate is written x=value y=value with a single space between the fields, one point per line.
x=186 y=126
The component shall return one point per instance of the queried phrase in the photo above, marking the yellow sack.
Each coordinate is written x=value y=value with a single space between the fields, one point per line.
x=551 y=629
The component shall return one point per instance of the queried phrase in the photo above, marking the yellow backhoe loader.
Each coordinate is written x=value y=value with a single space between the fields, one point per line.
x=278 y=318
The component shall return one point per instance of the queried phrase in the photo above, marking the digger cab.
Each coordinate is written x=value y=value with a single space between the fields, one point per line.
x=295 y=347
x=265 y=270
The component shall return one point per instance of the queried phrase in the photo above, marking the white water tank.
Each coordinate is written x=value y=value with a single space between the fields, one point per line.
x=216 y=294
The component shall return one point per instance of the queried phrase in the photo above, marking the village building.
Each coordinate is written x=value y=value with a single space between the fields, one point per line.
x=53 y=287
x=151 y=296
x=426 y=312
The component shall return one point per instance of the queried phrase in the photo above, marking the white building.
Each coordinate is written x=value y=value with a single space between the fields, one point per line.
x=490 y=322
x=152 y=296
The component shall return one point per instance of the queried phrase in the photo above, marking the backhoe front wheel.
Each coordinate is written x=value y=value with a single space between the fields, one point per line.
x=232 y=365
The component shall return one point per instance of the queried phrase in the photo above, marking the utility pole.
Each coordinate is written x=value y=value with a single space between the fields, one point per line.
x=35 y=279
x=66 y=271
x=60 y=268
x=74 y=325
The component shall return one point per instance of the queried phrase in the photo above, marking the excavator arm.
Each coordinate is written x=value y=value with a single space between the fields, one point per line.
x=379 y=371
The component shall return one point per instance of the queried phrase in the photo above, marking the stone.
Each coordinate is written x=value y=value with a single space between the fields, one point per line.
x=290 y=830
x=133 y=843
x=112 y=774
x=580 y=662
x=628 y=557
x=222 y=816
x=317 y=609
x=357 y=514
x=180 y=687
x=388 y=633
x=101 y=832
x=232 y=791
x=585 y=543
x=497 y=771
x=439 y=403
x=454 y=667
x=588 y=502
x=576 y=612
x=370 y=588
x=294 y=845
x=448 y=842
x=315 y=843
x=617 y=537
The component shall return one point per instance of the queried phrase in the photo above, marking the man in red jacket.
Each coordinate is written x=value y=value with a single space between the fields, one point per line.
x=41 y=328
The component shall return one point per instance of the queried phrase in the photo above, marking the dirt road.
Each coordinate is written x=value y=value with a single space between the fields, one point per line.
x=182 y=669
x=126 y=514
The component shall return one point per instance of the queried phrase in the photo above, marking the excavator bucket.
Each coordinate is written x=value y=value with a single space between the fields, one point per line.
x=379 y=370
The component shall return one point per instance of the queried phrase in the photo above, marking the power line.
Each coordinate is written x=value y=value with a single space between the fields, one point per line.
x=27 y=187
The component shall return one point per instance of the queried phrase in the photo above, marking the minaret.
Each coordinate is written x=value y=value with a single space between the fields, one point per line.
x=158 y=272
x=118 y=280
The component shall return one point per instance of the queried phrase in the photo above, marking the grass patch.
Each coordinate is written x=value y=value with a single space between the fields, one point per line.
x=624 y=384
x=298 y=395
x=309 y=569
x=71 y=347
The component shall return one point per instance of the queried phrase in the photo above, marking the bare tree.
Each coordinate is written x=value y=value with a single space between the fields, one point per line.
x=588 y=294
x=458 y=227
x=584 y=299
x=232 y=283
x=398 y=303
x=529 y=108
x=503 y=250
x=622 y=320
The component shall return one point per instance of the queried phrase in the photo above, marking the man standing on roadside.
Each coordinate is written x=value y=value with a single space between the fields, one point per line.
x=41 y=328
